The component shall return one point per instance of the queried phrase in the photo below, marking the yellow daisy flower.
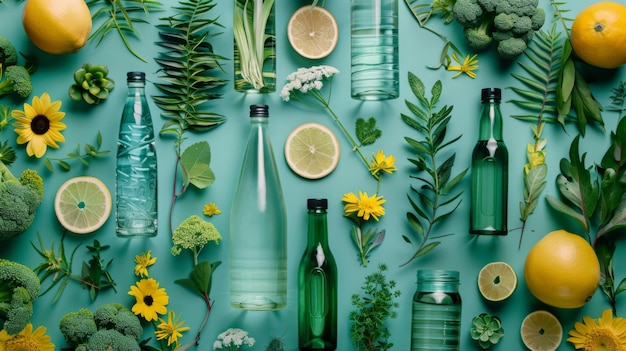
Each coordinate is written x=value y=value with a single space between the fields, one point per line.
x=150 y=299
x=170 y=330
x=363 y=206
x=382 y=163
x=468 y=65
x=607 y=333
x=26 y=340
x=143 y=262
x=211 y=209
x=39 y=125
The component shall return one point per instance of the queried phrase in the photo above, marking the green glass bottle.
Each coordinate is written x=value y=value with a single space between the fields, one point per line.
x=490 y=162
x=317 y=285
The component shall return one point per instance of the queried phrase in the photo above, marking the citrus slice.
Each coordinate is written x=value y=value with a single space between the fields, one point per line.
x=312 y=150
x=497 y=281
x=82 y=204
x=313 y=32
x=541 y=331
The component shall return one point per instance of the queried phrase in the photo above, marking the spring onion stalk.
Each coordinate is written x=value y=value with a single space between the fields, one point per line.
x=249 y=33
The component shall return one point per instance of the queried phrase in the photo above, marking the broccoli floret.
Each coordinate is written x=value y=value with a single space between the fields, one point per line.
x=112 y=340
x=511 y=22
x=8 y=54
x=193 y=234
x=538 y=18
x=478 y=38
x=16 y=80
x=77 y=327
x=19 y=198
x=19 y=287
x=511 y=48
x=118 y=317
x=467 y=12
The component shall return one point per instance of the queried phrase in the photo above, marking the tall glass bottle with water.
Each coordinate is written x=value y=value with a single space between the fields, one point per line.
x=374 y=49
x=136 y=171
x=489 y=176
x=436 y=323
x=317 y=285
x=258 y=225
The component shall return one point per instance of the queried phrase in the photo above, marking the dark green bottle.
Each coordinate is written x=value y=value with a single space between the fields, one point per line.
x=317 y=285
x=490 y=163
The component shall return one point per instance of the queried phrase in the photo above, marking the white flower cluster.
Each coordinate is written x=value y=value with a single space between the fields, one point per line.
x=305 y=79
x=233 y=337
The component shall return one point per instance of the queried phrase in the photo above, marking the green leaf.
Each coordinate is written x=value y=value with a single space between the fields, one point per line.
x=195 y=162
x=366 y=131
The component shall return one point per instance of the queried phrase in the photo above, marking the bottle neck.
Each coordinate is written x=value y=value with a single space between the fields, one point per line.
x=438 y=280
x=490 y=121
x=135 y=87
x=317 y=228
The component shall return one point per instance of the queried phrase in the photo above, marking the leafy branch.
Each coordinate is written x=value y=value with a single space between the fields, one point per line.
x=539 y=96
x=90 y=152
x=437 y=191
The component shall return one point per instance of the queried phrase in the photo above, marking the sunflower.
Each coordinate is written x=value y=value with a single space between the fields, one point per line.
x=606 y=334
x=363 y=206
x=150 y=299
x=170 y=330
x=143 y=262
x=39 y=125
x=26 y=340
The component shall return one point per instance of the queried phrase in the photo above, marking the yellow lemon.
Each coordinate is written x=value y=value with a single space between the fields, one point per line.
x=57 y=26
x=562 y=270
x=599 y=34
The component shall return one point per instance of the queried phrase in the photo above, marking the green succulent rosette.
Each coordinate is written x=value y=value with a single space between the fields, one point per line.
x=91 y=84
x=486 y=330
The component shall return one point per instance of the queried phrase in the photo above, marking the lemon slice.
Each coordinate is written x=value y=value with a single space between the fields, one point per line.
x=312 y=150
x=313 y=32
x=541 y=331
x=82 y=204
x=497 y=281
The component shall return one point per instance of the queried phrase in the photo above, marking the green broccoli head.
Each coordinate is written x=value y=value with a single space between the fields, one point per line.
x=8 y=54
x=522 y=8
x=19 y=287
x=468 y=13
x=16 y=80
x=19 y=200
x=77 y=327
x=511 y=48
x=477 y=38
x=116 y=316
x=193 y=234
x=518 y=25
x=538 y=18
x=112 y=340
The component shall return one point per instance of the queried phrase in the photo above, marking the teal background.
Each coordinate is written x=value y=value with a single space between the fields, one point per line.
x=418 y=50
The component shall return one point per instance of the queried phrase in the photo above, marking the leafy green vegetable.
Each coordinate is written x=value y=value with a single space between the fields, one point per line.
x=437 y=191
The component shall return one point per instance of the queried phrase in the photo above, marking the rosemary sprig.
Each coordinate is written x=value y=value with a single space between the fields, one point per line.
x=120 y=16
x=437 y=191
x=90 y=152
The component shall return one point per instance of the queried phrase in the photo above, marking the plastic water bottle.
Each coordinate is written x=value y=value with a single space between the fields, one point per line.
x=136 y=171
x=258 y=225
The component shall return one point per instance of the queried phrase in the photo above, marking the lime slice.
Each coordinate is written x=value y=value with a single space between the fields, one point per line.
x=82 y=204
x=312 y=150
x=497 y=281
x=541 y=331
x=313 y=32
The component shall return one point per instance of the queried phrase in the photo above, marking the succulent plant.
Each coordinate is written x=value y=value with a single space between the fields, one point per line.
x=486 y=330
x=91 y=84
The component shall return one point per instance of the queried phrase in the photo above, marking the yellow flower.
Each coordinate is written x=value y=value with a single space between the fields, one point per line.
x=143 y=262
x=607 y=334
x=172 y=329
x=468 y=65
x=39 y=125
x=150 y=299
x=364 y=206
x=26 y=340
x=382 y=163
x=211 y=209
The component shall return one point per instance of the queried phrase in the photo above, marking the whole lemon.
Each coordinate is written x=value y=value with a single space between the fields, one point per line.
x=599 y=34
x=562 y=270
x=57 y=26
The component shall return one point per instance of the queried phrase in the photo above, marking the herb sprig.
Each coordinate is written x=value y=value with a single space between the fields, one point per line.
x=90 y=152
x=437 y=191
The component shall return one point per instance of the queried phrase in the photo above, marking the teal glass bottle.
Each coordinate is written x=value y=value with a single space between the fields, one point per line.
x=436 y=323
x=489 y=171
x=317 y=285
x=258 y=225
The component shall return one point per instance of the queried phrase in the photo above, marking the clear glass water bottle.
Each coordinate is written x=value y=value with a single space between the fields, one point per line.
x=255 y=46
x=374 y=49
x=489 y=171
x=317 y=284
x=436 y=324
x=258 y=225
x=136 y=170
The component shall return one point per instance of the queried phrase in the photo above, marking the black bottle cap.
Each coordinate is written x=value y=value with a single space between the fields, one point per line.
x=259 y=111
x=135 y=76
x=317 y=203
x=491 y=93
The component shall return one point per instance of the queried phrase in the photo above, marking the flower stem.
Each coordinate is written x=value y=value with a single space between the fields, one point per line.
x=195 y=341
